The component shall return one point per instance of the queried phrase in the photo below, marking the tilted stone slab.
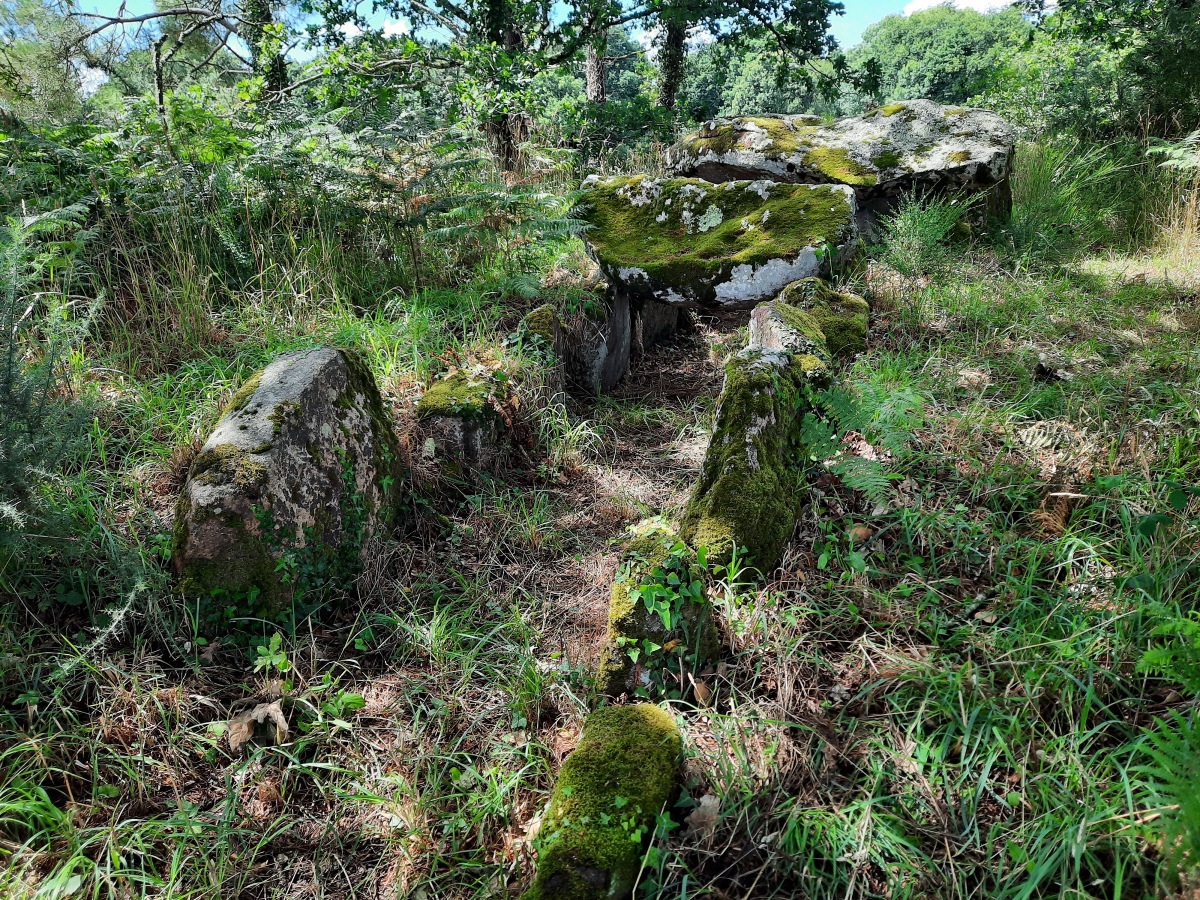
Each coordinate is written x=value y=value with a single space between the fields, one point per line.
x=687 y=242
x=653 y=554
x=300 y=471
x=603 y=809
x=751 y=482
x=910 y=145
x=842 y=317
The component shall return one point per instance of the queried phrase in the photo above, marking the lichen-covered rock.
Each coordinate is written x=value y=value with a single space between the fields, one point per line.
x=913 y=145
x=686 y=242
x=603 y=810
x=634 y=654
x=596 y=344
x=300 y=470
x=751 y=481
x=842 y=318
x=463 y=426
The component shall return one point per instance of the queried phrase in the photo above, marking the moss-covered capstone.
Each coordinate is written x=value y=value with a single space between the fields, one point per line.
x=751 y=481
x=621 y=775
x=635 y=650
x=689 y=243
x=459 y=415
x=912 y=145
x=301 y=469
x=842 y=317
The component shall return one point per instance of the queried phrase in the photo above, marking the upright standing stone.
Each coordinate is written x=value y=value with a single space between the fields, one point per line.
x=300 y=471
x=752 y=478
x=635 y=648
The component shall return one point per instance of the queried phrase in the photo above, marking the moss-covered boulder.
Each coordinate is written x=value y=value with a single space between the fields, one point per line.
x=460 y=416
x=686 y=242
x=842 y=317
x=300 y=471
x=913 y=145
x=602 y=813
x=660 y=624
x=751 y=482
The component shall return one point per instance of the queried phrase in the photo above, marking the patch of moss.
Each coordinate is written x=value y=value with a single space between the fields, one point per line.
x=842 y=318
x=458 y=395
x=622 y=773
x=230 y=464
x=241 y=397
x=543 y=322
x=836 y=164
x=647 y=549
x=885 y=159
x=654 y=236
x=890 y=109
x=751 y=480
x=958 y=156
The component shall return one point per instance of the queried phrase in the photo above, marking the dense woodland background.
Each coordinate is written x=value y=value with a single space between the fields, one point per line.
x=187 y=193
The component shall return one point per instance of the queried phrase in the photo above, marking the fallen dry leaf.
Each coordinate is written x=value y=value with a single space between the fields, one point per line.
x=702 y=690
x=241 y=726
x=704 y=817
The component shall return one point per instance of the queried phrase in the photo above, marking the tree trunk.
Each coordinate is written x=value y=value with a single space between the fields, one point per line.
x=670 y=61
x=594 y=75
x=268 y=63
x=505 y=131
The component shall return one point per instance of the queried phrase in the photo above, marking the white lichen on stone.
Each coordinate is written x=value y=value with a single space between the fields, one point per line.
x=711 y=219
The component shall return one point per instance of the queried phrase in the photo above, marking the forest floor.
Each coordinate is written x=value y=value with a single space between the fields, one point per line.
x=934 y=696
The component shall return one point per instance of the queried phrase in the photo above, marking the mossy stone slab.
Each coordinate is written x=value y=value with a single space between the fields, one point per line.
x=602 y=812
x=752 y=478
x=460 y=419
x=690 y=243
x=913 y=145
x=842 y=317
x=303 y=464
x=647 y=546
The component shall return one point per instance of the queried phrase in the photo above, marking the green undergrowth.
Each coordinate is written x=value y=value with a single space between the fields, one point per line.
x=975 y=676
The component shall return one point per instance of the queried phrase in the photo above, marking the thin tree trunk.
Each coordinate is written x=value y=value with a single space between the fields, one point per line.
x=594 y=75
x=269 y=64
x=670 y=62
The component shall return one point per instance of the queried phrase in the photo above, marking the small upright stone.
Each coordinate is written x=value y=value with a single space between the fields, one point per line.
x=597 y=343
x=841 y=317
x=639 y=632
x=656 y=323
x=464 y=427
x=605 y=805
x=302 y=468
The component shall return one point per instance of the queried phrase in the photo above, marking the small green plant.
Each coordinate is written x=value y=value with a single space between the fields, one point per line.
x=673 y=593
x=271 y=657
x=1171 y=786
